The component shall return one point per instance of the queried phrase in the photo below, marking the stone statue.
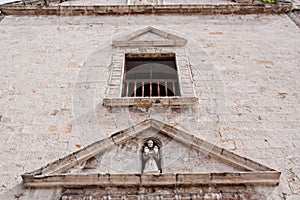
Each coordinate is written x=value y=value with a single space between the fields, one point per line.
x=151 y=158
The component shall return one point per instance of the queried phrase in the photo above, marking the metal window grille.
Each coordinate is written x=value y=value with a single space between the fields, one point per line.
x=150 y=75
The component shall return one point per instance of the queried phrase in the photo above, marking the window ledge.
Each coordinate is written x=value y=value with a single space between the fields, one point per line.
x=150 y=101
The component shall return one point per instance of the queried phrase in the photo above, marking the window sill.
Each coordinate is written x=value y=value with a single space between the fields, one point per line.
x=150 y=101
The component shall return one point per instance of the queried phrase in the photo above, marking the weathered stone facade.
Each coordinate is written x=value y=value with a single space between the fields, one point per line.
x=56 y=73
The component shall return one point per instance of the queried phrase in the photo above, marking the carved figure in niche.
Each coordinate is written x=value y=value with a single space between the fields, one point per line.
x=151 y=158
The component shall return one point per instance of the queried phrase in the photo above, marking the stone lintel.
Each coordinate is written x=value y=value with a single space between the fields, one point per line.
x=267 y=178
x=147 y=9
x=170 y=43
x=150 y=101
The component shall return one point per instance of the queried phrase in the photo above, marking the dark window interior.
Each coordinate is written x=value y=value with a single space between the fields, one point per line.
x=150 y=75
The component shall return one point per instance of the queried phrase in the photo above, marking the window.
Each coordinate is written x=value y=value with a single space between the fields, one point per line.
x=150 y=75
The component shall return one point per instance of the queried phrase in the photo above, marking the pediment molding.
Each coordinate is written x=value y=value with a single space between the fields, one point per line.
x=149 y=37
x=54 y=174
x=267 y=178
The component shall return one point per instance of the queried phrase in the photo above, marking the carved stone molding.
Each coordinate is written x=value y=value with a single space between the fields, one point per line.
x=150 y=37
x=56 y=174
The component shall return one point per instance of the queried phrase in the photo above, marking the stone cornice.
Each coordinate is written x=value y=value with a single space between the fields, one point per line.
x=266 y=178
x=146 y=9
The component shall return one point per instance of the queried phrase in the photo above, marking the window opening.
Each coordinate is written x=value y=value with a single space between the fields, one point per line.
x=150 y=75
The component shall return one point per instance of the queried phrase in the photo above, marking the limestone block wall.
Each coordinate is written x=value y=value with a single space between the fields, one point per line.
x=249 y=90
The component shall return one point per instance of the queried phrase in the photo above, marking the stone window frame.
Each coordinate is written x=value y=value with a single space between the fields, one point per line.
x=114 y=93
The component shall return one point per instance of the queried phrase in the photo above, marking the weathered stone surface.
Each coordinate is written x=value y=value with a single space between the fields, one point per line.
x=206 y=9
x=252 y=68
x=178 y=192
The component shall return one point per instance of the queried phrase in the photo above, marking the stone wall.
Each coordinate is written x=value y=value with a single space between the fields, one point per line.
x=248 y=96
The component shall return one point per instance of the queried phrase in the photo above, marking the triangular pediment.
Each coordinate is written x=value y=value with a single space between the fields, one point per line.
x=184 y=159
x=149 y=37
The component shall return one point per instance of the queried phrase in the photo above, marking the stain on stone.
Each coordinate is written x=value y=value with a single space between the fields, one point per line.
x=73 y=64
x=78 y=146
x=108 y=109
x=266 y=62
x=54 y=112
x=53 y=128
x=216 y=33
x=284 y=195
x=18 y=195
x=69 y=128
x=176 y=110
x=259 y=117
x=282 y=95
x=0 y=117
